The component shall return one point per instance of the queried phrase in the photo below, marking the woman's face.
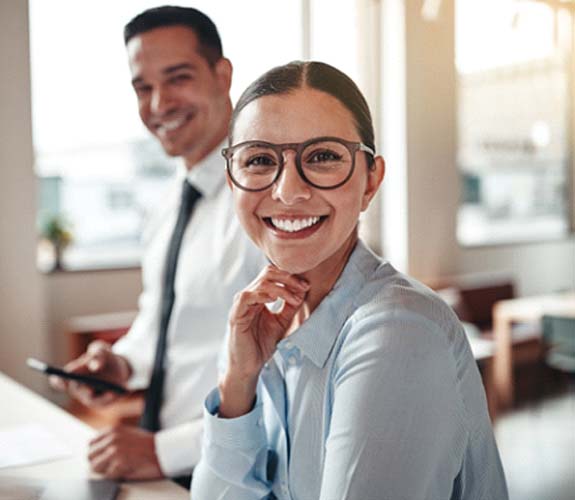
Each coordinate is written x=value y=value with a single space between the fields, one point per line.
x=300 y=227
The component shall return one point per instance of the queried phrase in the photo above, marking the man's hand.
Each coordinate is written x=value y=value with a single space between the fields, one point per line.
x=126 y=453
x=100 y=361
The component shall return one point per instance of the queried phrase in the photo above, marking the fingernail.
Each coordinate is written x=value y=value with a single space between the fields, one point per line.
x=93 y=365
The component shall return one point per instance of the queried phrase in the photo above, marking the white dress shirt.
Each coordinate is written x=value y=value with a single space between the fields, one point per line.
x=216 y=260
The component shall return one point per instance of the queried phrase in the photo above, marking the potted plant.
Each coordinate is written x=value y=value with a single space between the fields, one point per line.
x=56 y=230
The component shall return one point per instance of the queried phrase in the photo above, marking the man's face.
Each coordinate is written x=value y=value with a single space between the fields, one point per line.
x=182 y=100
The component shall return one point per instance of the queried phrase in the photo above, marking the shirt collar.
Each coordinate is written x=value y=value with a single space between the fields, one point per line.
x=316 y=336
x=207 y=176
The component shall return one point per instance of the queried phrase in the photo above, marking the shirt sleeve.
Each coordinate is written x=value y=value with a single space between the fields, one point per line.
x=139 y=344
x=397 y=429
x=234 y=456
x=178 y=448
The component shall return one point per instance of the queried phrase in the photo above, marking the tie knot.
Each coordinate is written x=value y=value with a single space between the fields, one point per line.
x=189 y=194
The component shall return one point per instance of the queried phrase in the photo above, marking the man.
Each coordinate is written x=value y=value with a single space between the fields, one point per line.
x=191 y=269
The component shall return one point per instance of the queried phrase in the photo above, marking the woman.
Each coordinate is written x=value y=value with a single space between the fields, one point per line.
x=360 y=384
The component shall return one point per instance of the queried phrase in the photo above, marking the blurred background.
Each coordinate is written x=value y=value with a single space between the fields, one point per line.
x=474 y=106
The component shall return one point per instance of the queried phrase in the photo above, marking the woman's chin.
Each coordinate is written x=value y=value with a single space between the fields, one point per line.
x=292 y=266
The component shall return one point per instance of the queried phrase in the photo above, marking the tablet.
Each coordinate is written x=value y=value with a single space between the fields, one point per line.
x=22 y=488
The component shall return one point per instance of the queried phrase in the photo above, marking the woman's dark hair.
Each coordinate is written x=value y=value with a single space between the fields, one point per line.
x=209 y=43
x=315 y=75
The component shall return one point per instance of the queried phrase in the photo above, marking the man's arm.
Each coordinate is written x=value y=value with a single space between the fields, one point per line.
x=179 y=448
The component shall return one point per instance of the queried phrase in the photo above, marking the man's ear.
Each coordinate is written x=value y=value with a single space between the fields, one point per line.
x=224 y=70
x=375 y=175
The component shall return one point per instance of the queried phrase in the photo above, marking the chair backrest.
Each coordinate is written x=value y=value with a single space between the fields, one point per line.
x=559 y=334
x=479 y=300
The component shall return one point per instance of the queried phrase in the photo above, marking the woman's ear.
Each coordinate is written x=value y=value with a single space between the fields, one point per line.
x=375 y=175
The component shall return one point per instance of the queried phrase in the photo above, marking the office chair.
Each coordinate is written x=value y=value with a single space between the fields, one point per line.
x=559 y=335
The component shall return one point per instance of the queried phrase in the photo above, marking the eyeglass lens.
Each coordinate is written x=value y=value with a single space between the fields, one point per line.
x=324 y=163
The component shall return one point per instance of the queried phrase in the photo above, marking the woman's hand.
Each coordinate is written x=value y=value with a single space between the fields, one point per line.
x=254 y=334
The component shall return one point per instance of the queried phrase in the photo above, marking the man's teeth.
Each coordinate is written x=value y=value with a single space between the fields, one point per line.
x=172 y=125
x=293 y=225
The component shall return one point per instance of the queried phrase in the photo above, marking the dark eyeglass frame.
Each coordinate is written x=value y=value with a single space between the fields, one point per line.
x=298 y=147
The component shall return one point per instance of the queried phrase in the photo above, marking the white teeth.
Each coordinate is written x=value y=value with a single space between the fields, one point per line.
x=294 y=225
x=172 y=125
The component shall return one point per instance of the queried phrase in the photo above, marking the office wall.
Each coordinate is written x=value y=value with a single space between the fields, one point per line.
x=433 y=180
x=79 y=293
x=21 y=298
x=34 y=306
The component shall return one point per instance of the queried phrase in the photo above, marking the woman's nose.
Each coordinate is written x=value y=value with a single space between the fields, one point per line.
x=290 y=188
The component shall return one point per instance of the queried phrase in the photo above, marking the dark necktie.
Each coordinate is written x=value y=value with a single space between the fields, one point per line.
x=151 y=416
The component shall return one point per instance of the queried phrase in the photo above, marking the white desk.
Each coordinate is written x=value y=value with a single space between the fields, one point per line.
x=22 y=406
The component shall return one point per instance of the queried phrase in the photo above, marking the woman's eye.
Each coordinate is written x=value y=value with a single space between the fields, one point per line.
x=260 y=161
x=323 y=156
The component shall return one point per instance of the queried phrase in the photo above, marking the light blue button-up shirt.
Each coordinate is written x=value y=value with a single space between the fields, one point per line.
x=376 y=396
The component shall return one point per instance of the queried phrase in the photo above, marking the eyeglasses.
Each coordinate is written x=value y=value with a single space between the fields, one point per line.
x=322 y=162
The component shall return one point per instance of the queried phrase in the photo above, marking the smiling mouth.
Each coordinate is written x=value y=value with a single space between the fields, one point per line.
x=168 y=126
x=293 y=225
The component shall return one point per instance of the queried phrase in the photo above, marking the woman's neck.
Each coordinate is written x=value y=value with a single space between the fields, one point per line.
x=322 y=279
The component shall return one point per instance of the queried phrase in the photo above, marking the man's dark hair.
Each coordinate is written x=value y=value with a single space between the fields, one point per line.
x=315 y=75
x=209 y=42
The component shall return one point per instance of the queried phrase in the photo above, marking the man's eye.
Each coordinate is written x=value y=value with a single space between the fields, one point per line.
x=181 y=78
x=142 y=90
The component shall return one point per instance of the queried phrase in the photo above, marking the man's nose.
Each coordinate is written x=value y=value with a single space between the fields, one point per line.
x=290 y=188
x=162 y=101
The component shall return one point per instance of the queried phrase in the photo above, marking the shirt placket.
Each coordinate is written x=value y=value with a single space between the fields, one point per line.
x=273 y=378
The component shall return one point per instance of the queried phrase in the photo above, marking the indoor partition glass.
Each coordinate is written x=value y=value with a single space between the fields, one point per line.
x=515 y=112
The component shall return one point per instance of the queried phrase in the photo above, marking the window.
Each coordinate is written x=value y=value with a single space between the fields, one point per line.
x=98 y=167
x=515 y=68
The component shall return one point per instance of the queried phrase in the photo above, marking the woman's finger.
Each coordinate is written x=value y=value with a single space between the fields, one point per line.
x=280 y=291
x=267 y=293
x=272 y=273
x=286 y=314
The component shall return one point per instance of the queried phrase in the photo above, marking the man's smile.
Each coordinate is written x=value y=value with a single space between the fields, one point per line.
x=167 y=126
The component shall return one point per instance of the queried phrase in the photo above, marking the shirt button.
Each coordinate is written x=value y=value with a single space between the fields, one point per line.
x=260 y=422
